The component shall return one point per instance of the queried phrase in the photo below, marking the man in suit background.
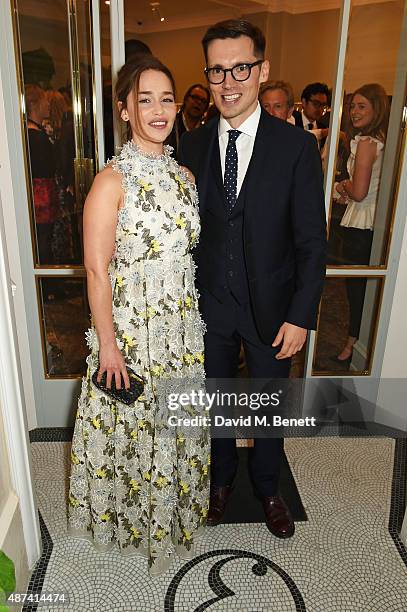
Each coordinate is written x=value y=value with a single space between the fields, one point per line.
x=190 y=115
x=261 y=256
x=314 y=100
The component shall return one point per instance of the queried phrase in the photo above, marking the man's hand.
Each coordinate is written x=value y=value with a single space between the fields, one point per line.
x=293 y=338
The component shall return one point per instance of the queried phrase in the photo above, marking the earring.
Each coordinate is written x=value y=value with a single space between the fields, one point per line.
x=125 y=117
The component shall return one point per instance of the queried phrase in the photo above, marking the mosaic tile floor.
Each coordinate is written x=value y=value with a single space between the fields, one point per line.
x=344 y=559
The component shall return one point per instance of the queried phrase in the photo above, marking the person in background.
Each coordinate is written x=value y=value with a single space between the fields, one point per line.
x=277 y=98
x=43 y=171
x=314 y=100
x=190 y=116
x=369 y=115
x=134 y=47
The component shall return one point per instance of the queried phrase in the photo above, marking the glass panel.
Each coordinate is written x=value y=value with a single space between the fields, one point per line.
x=65 y=318
x=107 y=79
x=60 y=158
x=348 y=314
x=368 y=145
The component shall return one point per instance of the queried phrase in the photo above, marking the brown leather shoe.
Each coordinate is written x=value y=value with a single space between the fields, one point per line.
x=217 y=504
x=278 y=518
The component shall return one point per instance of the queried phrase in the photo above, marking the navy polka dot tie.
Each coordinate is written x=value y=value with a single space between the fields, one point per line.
x=230 y=179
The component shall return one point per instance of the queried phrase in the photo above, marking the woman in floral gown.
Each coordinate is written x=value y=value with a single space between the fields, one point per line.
x=135 y=481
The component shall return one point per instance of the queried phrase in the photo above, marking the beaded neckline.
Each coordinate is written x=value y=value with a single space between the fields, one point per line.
x=132 y=146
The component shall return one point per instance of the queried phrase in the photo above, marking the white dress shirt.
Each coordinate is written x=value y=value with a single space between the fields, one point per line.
x=315 y=130
x=306 y=122
x=244 y=144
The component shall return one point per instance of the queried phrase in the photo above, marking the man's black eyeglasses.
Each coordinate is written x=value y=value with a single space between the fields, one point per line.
x=240 y=72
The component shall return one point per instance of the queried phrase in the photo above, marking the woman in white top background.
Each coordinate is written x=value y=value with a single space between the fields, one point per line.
x=369 y=116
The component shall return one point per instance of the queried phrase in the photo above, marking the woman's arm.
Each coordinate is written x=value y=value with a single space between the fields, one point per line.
x=357 y=188
x=99 y=227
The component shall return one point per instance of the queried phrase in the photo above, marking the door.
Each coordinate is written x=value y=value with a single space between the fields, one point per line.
x=75 y=47
x=55 y=68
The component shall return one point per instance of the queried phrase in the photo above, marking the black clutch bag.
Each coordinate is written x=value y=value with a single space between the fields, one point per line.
x=127 y=396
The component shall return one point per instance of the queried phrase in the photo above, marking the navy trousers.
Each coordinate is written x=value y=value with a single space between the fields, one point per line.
x=228 y=324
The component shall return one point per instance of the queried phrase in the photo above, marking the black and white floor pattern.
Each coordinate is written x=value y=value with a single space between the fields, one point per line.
x=346 y=558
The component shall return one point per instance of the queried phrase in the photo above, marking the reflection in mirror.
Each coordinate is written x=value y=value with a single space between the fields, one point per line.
x=65 y=316
x=59 y=124
x=360 y=212
x=348 y=316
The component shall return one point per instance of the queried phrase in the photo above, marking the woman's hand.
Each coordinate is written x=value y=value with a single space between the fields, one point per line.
x=112 y=362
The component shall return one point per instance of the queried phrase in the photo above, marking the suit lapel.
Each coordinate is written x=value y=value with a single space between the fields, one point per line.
x=204 y=174
x=263 y=152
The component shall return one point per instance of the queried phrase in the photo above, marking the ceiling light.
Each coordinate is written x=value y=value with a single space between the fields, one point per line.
x=155 y=7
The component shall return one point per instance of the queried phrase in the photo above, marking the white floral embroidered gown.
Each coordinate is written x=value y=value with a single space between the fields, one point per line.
x=147 y=492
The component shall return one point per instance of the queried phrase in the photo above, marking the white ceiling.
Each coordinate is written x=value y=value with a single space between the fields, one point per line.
x=184 y=13
x=181 y=14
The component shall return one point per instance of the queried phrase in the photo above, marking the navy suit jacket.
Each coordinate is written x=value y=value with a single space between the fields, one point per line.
x=284 y=229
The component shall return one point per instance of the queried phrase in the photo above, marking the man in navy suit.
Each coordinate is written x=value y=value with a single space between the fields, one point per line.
x=261 y=256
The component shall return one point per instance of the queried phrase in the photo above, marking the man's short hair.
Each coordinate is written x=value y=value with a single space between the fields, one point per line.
x=315 y=88
x=234 y=28
x=283 y=85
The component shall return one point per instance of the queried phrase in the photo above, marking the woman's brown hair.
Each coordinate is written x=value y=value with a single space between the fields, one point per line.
x=33 y=95
x=128 y=81
x=381 y=108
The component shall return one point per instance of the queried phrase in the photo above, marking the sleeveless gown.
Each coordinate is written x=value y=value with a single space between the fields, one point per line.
x=133 y=481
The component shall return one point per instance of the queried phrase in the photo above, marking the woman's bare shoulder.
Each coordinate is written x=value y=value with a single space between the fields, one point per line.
x=108 y=179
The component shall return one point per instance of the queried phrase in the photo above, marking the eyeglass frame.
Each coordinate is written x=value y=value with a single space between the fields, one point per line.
x=225 y=70
x=318 y=104
x=195 y=98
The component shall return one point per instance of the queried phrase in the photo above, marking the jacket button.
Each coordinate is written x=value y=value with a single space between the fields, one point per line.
x=231 y=224
x=230 y=273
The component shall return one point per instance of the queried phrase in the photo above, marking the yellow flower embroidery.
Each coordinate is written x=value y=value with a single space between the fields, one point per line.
x=151 y=312
x=134 y=485
x=133 y=434
x=180 y=222
x=161 y=482
x=155 y=246
x=73 y=501
x=101 y=473
x=105 y=517
x=157 y=370
x=187 y=534
x=200 y=357
x=193 y=462
x=134 y=533
x=74 y=459
x=188 y=301
x=184 y=487
x=145 y=186
x=160 y=533
x=128 y=341
x=180 y=181
x=96 y=423
x=119 y=281
x=147 y=476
